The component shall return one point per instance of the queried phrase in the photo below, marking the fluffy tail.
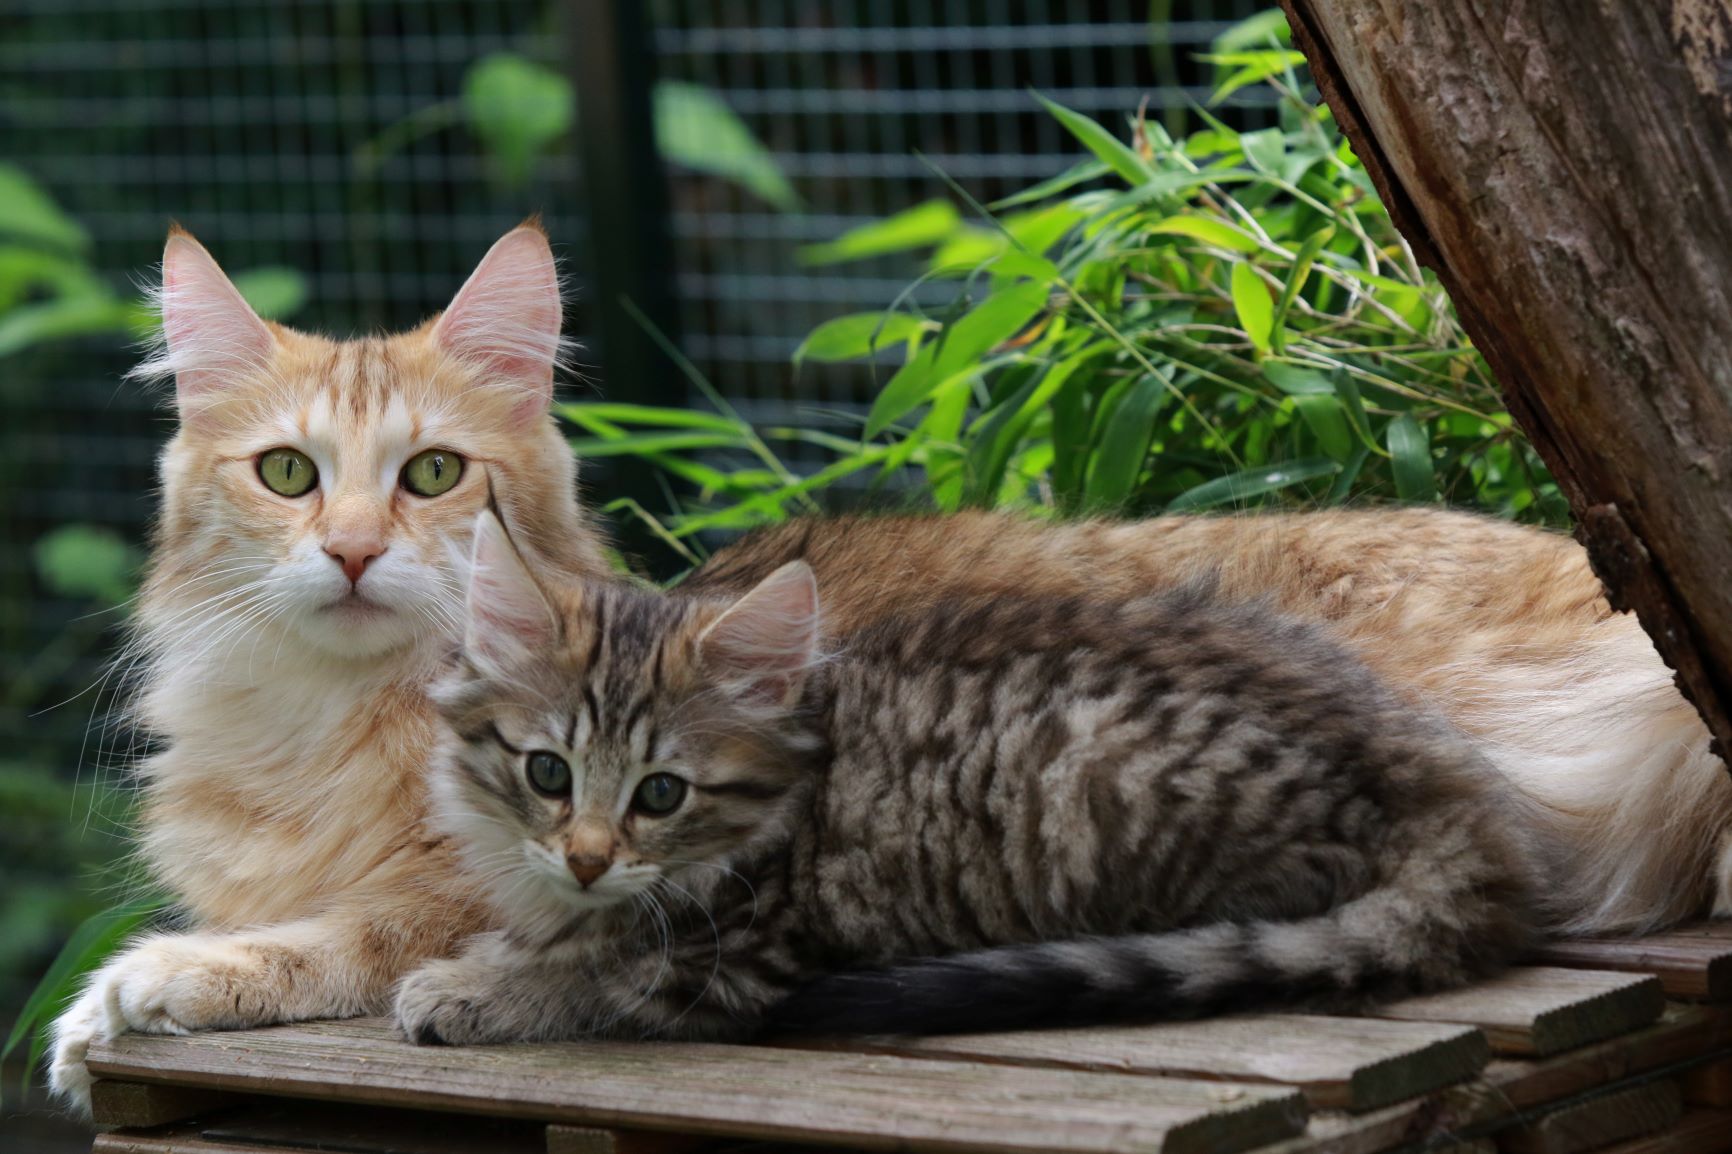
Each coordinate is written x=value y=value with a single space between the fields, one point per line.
x=1379 y=945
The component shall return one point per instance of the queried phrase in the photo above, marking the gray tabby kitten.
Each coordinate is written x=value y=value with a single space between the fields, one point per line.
x=981 y=814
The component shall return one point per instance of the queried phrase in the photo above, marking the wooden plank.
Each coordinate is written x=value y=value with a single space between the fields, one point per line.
x=1510 y=1086
x=1693 y=962
x=1339 y=1063
x=1709 y=1084
x=1700 y=1132
x=141 y=1104
x=1591 y=1123
x=1541 y=1010
x=293 y=1125
x=592 y=1140
x=868 y=1101
x=174 y=1140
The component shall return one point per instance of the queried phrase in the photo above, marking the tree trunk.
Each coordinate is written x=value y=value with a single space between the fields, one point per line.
x=1566 y=168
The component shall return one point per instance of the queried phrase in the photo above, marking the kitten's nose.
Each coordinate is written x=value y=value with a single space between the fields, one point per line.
x=354 y=554
x=586 y=867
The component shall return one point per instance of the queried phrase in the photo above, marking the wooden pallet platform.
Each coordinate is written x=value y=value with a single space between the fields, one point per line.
x=1561 y=1058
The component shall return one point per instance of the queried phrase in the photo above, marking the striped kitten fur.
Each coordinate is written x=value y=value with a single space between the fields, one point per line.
x=694 y=816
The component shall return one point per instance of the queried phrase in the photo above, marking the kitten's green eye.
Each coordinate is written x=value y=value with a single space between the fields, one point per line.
x=659 y=793
x=549 y=774
x=433 y=472
x=287 y=472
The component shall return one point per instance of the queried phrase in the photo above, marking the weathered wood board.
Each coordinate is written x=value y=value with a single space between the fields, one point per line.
x=1340 y=1063
x=1540 y=1010
x=1591 y=1123
x=1693 y=962
x=868 y=1101
x=1700 y=1132
x=1709 y=1084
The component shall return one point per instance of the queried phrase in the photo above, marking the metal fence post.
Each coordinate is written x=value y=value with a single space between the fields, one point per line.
x=630 y=257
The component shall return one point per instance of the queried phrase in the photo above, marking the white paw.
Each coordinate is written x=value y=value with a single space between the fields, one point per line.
x=86 y=1021
x=165 y=985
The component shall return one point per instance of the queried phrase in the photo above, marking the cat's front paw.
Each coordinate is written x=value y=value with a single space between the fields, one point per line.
x=441 y=1004
x=174 y=985
x=87 y=1021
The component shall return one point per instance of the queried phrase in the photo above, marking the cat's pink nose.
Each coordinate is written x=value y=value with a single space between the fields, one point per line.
x=587 y=867
x=353 y=555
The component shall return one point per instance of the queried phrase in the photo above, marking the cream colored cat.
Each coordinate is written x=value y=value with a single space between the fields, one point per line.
x=308 y=575
x=308 y=578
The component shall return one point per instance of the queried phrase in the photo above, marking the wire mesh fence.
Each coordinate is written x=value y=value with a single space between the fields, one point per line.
x=327 y=137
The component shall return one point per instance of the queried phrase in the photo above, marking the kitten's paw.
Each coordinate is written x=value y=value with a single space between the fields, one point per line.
x=441 y=1004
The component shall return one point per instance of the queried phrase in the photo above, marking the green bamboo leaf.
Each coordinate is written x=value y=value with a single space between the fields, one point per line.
x=956 y=350
x=1342 y=486
x=1265 y=150
x=995 y=439
x=518 y=109
x=1125 y=442
x=590 y=414
x=1235 y=487
x=1069 y=178
x=918 y=227
x=696 y=128
x=1209 y=231
x=91 y=944
x=1296 y=278
x=1111 y=151
x=857 y=335
x=1251 y=301
x=274 y=293
x=641 y=444
x=27 y=211
x=1296 y=381
x=1410 y=459
x=1324 y=417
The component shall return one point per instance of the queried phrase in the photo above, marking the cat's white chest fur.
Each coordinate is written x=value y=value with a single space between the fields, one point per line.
x=266 y=818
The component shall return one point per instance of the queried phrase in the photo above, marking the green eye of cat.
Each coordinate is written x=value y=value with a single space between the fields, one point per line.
x=287 y=472
x=432 y=473
x=658 y=794
x=549 y=774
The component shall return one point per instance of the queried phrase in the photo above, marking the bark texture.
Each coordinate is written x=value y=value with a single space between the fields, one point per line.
x=1566 y=168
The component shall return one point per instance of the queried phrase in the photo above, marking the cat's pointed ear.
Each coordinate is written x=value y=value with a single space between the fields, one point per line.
x=505 y=319
x=509 y=616
x=211 y=336
x=767 y=640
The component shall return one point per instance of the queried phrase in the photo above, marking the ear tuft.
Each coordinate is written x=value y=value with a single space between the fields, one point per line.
x=210 y=335
x=764 y=644
x=505 y=320
x=509 y=617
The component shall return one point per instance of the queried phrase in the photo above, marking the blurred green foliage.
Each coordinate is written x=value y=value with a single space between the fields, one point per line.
x=520 y=111
x=1226 y=319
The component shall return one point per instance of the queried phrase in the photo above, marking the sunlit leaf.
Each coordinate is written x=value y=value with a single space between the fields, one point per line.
x=1208 y=231
x=1109 y=149
x=274 y=293
x=696 y=128
x=918 y=227
x=857 y=335
x=1253 y=304
x=518 y=109
x=27 y=212
x=86 y=561
x=956 y=350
